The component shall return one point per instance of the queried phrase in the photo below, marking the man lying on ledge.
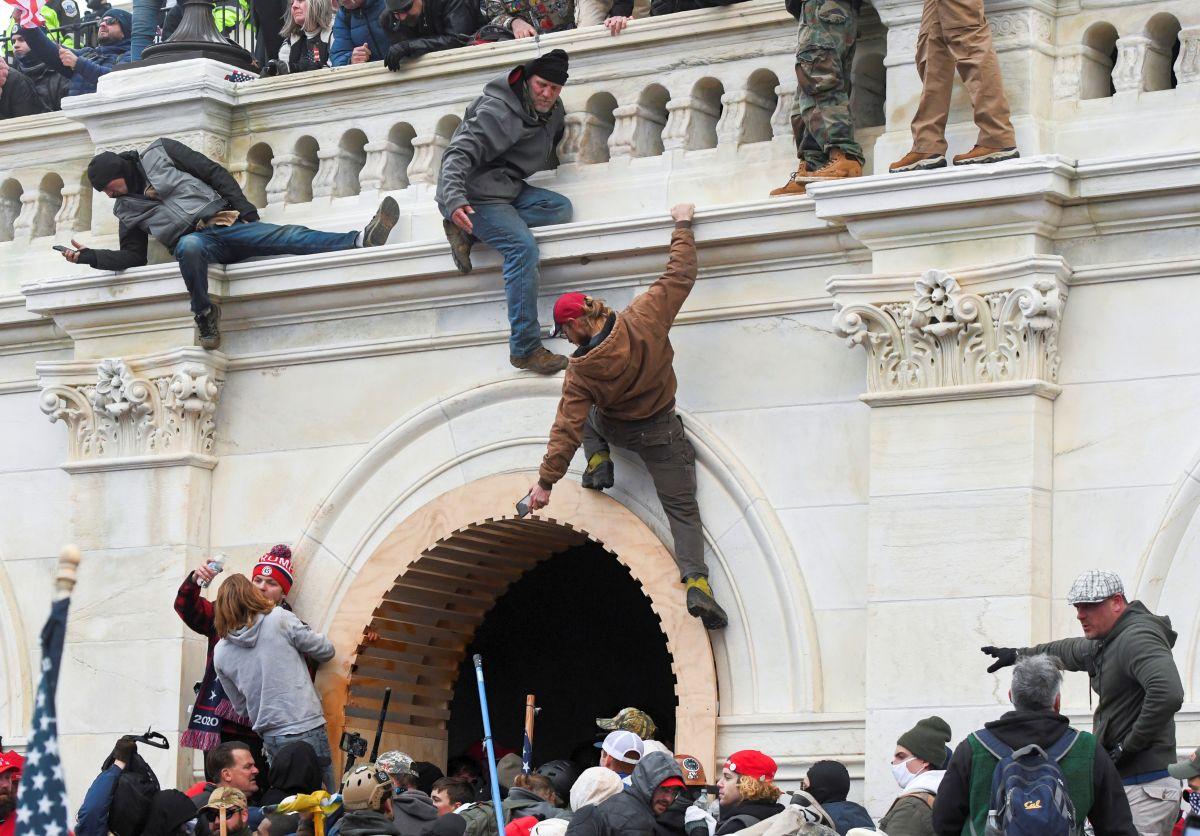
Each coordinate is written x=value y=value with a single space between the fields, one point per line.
x=197 y=210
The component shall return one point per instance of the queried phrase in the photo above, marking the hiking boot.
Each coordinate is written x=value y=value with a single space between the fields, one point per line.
x=206 y=324
x=460 y=247
x=702 y=605
x=380 y=226
x=542 y=361
x=980 y=155
x=917 y=161
x=794 y=185
x=599 y=473
x=839 y=167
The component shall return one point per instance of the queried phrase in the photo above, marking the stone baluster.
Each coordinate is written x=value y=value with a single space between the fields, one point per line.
x=75 y=214
x=46 y=210
x=386 y=167
x=1187 y=65
x=23 y=225
x=292 y=180
x=585 y=138
x=337 y=172
x=781 y=119
x=1068 y=72
x=738 y=110
x=689 y=118
x=427 y=158
x=637 y=132
x=1129 y=74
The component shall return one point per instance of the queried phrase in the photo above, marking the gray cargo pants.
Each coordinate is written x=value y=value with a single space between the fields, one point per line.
x=671 y=460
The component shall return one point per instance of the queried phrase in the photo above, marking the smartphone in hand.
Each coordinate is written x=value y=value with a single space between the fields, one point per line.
x=63 y=249
x=523 y=506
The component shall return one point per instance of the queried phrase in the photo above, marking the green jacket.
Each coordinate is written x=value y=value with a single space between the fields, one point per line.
x=909 y=815
x=1133 y=673
x=481 y=819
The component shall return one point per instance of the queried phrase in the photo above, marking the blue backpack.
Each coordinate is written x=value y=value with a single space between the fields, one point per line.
x=1029 y=791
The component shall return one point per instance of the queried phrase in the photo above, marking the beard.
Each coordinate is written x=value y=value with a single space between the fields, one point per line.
x=7 y=804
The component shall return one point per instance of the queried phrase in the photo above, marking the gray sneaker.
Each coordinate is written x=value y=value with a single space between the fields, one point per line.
x=460 y=246
x=377 y=230
x=206 y=324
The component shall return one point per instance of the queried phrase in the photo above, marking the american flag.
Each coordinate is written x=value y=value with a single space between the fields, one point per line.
x=42 y=800
x=30 y=7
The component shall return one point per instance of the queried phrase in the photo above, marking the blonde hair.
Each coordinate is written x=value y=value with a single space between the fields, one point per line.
x=238 y=603
x=316 y=11
x=595 y=309
x=539 y=785
x=752 y=789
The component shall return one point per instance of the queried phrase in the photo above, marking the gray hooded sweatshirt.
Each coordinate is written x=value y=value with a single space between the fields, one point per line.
x=263 y=672
x=499 y=143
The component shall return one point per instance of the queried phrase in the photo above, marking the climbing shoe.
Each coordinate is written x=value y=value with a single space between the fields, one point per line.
x=702 y=605
x=599 y=473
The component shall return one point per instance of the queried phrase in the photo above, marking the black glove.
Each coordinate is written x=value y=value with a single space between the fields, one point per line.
x=1116 y=753
x=274 y=67
x=87 y=256
x=249 y=217
x=1004 y=657
x=398 y=53
x=125 y=749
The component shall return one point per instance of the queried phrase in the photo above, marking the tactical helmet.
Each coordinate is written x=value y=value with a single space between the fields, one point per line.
x=561 y=774
x=365 y=787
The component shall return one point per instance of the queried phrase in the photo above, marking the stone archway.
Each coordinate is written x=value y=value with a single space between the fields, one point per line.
x=16 y=680
x=435 y=576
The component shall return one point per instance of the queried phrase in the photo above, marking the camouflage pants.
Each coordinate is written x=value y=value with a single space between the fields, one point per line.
x=824 y=54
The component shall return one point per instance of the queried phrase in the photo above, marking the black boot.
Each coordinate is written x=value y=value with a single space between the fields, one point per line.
x=206 y=324
x=599 y=473
x=702 y=604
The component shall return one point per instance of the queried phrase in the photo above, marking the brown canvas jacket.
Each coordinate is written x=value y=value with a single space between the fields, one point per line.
x=629 y=376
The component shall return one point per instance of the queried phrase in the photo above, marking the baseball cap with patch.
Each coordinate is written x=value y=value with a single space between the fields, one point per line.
x=1093 y=586
x=623 y=745
x=396 y=763
x=751 y=763
x=10 y=761
x=693 y=770
x=1187 y=768
x=567 y=307
x=227 y=798
x=630 y=719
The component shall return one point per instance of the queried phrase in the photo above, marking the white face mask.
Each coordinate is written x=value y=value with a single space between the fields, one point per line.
x=901 y=774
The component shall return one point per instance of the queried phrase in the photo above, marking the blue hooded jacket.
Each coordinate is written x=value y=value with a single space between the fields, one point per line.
x=93 y=61
x=355 y=27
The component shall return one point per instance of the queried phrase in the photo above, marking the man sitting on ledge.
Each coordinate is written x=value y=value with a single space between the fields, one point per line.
x=197 y=210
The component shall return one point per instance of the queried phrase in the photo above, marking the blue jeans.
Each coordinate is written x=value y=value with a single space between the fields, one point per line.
x=505 y=227
x=229 y=244
x=145 y=26
x=317 y=738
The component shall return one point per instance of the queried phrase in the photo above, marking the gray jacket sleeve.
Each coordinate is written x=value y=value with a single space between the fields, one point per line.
x=306 y=640
x=1074 y=654
x=236 y=698
x=1153 y=667
x=480 y=139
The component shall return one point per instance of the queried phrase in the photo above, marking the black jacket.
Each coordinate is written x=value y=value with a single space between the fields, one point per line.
x=738 y=817
x=1133 y=673
x=627 y=813
x=133 y=240
x=1109 y=815
x=443 y=24
x=367 y=823
x=50 y=86
x=18 y=96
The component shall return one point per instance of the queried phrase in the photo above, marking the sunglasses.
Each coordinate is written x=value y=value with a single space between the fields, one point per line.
x=229 y=812
x=109 y=21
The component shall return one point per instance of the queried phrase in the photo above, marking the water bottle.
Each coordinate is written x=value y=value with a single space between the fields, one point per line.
x=217 y=564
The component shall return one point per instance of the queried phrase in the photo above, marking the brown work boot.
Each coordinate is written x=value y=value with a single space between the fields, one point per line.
x=542 y=361
x=794 y=185
x=980 y=155
x=917 y=161
x=839 y=167
x=460 y=246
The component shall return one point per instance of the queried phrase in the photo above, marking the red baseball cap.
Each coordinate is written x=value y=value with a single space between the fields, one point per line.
x=752 y=764
x=569 y=306
x=673 y=782
x=10 y=761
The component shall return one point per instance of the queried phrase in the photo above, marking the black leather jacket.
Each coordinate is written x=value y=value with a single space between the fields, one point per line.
x=443 y=24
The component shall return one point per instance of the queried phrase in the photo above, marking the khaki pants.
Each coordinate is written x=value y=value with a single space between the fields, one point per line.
x=1155 y=806
x=593 y=12
x=955 y=34
x=671 y=460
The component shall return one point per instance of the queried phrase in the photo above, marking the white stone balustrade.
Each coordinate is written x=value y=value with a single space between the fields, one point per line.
x=1187 y=65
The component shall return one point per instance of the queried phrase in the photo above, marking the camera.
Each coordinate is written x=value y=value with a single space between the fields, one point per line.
x=353 y=744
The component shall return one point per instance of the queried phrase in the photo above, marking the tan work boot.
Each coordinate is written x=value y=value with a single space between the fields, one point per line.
x=794 y=185
x=917 y=161
x=839 y=167
x=980 y=155
x=542 y=361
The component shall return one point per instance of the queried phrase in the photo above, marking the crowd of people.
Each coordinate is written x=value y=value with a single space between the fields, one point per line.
x=268 y=765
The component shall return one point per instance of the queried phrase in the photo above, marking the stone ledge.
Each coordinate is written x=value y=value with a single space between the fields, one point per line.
x=977 y=391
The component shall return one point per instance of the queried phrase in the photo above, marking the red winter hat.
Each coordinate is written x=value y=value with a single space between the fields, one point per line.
x=752 y=764
x=569 y=306
x=10 y=761
x=276 y=565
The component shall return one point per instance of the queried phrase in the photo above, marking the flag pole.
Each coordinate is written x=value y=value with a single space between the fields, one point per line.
x=487 y=741
x=527 y=748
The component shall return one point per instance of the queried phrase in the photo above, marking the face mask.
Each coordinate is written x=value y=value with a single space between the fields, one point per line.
x=901 y=774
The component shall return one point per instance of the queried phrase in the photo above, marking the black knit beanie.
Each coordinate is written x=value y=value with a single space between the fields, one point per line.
x=552 y=66
x=927 y=740
x=106 y=167
x=828 y=781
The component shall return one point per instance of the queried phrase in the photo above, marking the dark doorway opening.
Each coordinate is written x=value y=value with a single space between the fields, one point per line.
x=577 y=631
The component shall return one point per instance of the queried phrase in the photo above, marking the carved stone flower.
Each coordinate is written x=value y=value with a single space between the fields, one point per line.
x=113 y=377
x=933 y=295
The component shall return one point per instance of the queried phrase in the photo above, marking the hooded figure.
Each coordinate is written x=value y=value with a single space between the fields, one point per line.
x=628 y=813
x=294 y=771
x=169 y=812
x=413 y=810
x=829 y=784
x=133 y=799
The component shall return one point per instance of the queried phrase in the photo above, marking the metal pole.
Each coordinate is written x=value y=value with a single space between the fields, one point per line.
x=487 y=742
x=387 y=698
